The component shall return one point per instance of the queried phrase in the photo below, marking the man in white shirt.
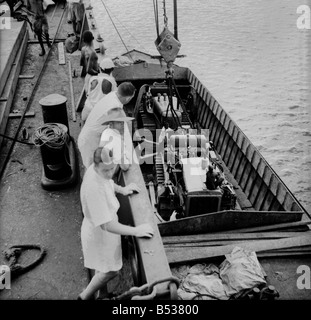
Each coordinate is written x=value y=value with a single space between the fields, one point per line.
x=99 y=86
x=90 y=134
x=101 y=231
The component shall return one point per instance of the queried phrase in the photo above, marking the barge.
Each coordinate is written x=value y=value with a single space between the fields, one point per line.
x=200 y=174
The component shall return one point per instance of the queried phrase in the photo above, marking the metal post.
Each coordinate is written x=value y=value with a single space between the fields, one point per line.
x=175 y=20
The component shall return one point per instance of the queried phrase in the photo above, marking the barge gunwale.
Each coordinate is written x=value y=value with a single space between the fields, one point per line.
x=251 y=171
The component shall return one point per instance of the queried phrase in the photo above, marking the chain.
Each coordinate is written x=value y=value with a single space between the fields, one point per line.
x=146 y=291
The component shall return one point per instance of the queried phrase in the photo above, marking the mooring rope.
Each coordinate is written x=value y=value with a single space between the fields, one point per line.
x=129 y=32
x=156 y=16
x=51 y=135
x=117 y=29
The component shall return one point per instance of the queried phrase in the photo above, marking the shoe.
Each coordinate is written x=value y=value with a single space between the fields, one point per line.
x=42 y=53
x=110 y=296
x=69 y=21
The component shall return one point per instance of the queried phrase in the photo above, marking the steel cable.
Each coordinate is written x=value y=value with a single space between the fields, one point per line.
x=117 y=30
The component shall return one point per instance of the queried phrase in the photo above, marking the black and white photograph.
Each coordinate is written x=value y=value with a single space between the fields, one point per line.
x=155 y=150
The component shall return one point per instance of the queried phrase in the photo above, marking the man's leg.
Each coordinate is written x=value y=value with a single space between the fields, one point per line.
x=99 y=281
x=45 y=29
x=69 y=15
x=39 y=35
x=78 y=28
x=78 y=17
x=74 y=26
x=47 y=37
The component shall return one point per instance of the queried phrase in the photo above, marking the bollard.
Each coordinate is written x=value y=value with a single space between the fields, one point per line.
x=54 y=109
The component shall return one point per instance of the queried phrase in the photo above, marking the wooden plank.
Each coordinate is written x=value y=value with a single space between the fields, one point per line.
x=177 y=255
x=61 y=53
x=227 y=236
x=81 y=101
x=208 y=244
x=54 y=40
x=26 y=76
x=293 y=249
x=73 y=107
x=278 y=226
x=275 y=254
x=19 y=114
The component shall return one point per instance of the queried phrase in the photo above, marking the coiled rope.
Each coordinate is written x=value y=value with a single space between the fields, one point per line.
x=51 y=135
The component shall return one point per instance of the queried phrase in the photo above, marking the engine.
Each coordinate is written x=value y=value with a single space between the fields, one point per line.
x=187 y=177
x=189 y=181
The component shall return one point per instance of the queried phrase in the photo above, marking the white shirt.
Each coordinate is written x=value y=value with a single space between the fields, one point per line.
x=101 y=249
x=93 y=96
x=89 y=136
x=99 y=112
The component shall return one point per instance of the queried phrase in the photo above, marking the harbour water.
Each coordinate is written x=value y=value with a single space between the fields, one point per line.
x=250 y=55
